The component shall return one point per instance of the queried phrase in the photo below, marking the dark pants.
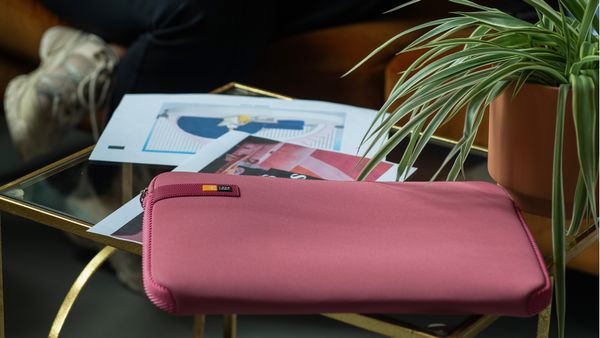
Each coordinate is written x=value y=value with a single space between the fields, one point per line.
x=187 y=46
x=193 y=46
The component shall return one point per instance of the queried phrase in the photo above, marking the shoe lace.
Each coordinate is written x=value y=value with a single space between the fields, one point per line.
x=93 y=90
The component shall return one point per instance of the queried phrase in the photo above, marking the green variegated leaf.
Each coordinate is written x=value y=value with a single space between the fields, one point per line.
x=558 y=210
x=497 y=19
x=585 y=116
x=521 y=81
x=585 y=61
x=396 y=37
x=423 y=64
x=406 y=4
x=455 y=150
x=410 y=148
x=473 y=118
x=434 y=124
x=579 y=203
x=569 y=52
x=416 y=101
x=454 y=25
x=390 y=144
x=585 y=29
x=470 y=69
x=548 y=13
x=574 y=7
x=472 y=4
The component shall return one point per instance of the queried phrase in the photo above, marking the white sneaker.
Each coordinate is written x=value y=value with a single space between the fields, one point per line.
x=73 y=79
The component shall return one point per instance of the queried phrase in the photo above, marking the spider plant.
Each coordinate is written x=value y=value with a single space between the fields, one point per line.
x=501 y=52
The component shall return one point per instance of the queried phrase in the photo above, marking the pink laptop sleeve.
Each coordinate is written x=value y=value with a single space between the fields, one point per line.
x=218 y=244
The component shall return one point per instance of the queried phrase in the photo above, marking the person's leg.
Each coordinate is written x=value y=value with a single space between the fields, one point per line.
x=201 y=45
x=176 y=45
x=115 y=21
x=197 y=48
x=77 y=69
x=183 y=46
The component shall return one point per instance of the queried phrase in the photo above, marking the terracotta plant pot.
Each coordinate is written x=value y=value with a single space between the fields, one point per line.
x=521 y=145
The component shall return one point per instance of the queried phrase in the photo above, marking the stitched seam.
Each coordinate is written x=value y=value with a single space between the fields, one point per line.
x=152 y=200
x=532 y=245
x=539 y=259
x=153 y=185
x=173 y=305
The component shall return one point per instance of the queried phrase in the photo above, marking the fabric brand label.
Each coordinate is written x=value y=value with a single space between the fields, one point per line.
x=216 y=187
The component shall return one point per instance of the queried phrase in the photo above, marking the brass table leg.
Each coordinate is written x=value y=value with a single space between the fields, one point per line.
x=544 y=317
x=79 y=283
x=1 y=285
x=543 y=325
x=199 y=321
x=376 y=325
x=230 y=326
x=472 y=329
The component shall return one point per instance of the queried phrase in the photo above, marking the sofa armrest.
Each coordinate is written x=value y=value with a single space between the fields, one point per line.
x=23 y=24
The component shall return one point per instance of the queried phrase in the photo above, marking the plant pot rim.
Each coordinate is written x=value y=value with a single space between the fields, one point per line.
x=537 y=85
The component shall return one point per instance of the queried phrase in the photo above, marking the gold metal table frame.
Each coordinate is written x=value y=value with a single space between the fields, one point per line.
x=386 y=327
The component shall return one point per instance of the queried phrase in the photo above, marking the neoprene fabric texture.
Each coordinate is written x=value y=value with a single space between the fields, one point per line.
x=250 y=245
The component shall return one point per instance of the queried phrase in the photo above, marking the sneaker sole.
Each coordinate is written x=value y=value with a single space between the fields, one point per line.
x=22 y=129
x=17 y=124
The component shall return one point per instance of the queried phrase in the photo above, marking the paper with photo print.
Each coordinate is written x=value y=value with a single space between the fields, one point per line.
x=238 y=153
x=257 y=156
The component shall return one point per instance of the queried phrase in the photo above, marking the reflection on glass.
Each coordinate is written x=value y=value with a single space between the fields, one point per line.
x=88 y=191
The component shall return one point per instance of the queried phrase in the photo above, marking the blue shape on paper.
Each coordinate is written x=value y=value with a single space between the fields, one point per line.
x=208 y=127
x=202 y=126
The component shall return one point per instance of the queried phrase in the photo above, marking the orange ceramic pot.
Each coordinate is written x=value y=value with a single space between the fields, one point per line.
x=521 y=147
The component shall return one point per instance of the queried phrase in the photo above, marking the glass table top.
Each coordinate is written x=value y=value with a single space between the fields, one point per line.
x=84 y=190
x=88 y=191
x=74 y=193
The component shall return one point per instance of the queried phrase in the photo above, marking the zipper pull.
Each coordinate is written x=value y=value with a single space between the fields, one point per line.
x=143 y=195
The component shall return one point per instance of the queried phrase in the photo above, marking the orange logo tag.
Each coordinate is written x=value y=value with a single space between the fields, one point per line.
x=209 y=187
